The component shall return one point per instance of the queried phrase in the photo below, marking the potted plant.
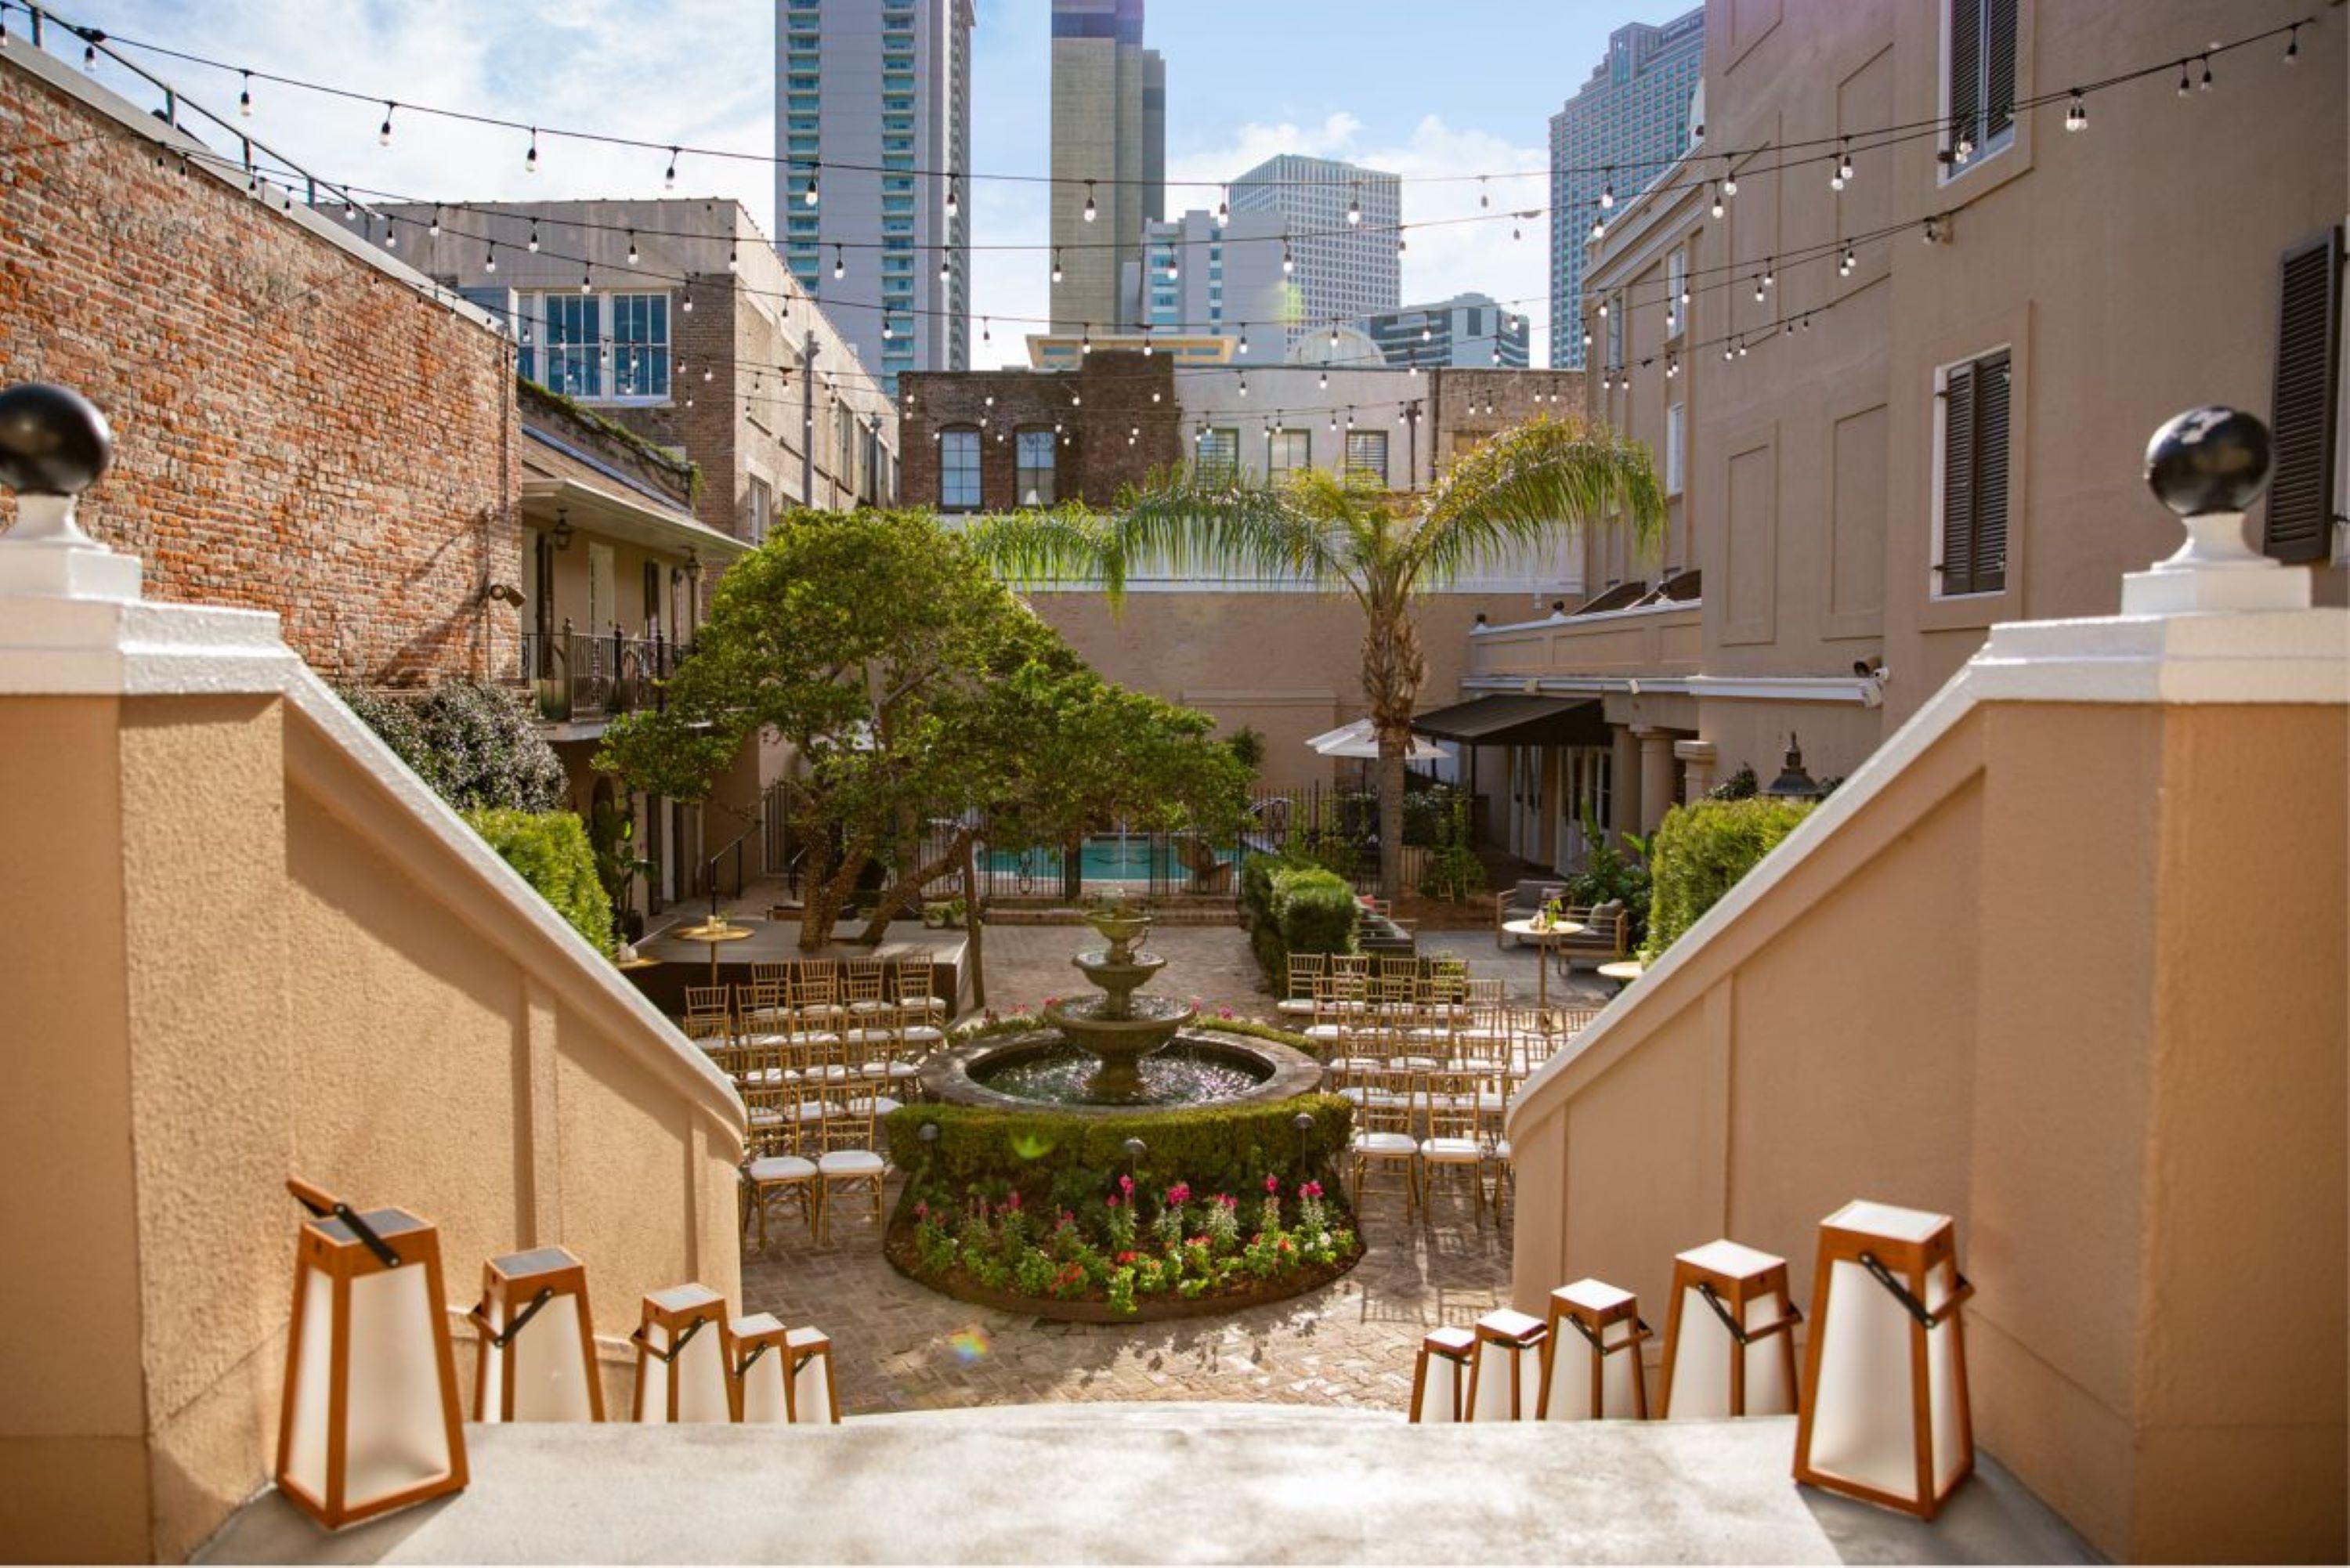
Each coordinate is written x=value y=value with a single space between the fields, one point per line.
x=937 y=912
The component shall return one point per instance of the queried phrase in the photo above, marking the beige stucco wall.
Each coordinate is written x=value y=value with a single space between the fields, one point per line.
x=2045 y=979
x=1290 y=664
x=250 y=959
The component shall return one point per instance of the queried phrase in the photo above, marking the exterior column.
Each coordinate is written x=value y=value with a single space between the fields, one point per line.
x=1697 y=764
x=1656 y=774
x=1624 y=787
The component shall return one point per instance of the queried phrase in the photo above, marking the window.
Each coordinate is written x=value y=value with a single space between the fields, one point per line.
x=758 y=509
x=2307 y=404
x=1980 y=85
x=1972 y=498
x=1287 y=450
x=1675 y=424
x=1219 y=455
x=639 y=328
x=1032 y=473
x=567 y=361
x=598 y=346
x=1616 y=330
x=958 y=471
x=1367 y=454
x=1675 y=281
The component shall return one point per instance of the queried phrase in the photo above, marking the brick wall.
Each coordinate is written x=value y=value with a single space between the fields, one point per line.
x=295 y=430
x=1097 y=460
x=1457 y=400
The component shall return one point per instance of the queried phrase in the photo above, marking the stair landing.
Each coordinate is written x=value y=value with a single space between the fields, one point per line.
x=1153 y=1483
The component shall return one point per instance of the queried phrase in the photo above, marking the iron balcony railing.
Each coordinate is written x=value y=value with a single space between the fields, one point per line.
x=578 y=675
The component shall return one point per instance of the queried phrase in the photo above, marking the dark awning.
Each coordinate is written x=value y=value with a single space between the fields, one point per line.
x=1516 y=720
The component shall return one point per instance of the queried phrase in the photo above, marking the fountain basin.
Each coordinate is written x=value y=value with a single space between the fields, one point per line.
x=1235 y=1070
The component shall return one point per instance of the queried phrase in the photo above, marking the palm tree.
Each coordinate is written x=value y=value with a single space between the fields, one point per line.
x=1349 y=535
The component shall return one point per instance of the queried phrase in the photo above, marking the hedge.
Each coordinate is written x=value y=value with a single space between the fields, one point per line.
x=1700 y=851
x=1290 y=906
x=478 y=746
x=552 y=852
x=1058 y=1159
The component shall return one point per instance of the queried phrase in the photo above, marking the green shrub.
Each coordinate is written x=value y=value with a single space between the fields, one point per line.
x=1610 y=875
x=1054 y=1158
x=552 y=852
x=477 y=745
x=1702 y=850
x=1314 y=911
x=1256 y=887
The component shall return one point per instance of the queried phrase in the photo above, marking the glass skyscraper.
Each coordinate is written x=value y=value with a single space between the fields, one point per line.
x=1633 y=114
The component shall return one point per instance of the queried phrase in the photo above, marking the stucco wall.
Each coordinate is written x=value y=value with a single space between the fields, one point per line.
x=252 y=960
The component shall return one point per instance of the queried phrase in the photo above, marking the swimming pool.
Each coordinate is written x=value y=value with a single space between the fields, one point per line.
x=1103 y=858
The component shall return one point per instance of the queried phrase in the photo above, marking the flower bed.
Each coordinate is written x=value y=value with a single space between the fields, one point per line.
x=1054 y=1216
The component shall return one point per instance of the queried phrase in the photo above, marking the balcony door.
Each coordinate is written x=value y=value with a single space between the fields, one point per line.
x=603 y=592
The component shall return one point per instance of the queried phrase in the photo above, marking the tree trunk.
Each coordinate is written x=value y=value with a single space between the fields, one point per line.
x=908 y=888
x=826 y=896
x=1392 y=746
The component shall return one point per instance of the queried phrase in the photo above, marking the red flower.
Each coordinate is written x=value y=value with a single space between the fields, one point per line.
x=1311 y=1189
x=1126 y=1184
x=1111 y=1200
x=1178 y=1195
x=1273 y=1184
x=1128 y=1257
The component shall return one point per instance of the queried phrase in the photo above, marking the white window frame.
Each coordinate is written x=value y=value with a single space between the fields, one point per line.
x=1676 y=278
x=1941 y=419
x=1280 y=439
x=1229 y=438
x=954 y=437
x=1347 y=455
x=1676 y=443
x=532 y=308
x=1946 y=169
x=1050 y=468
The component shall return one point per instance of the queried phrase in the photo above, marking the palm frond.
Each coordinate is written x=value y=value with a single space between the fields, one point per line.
x=1195 y=523
x=1529 y=483
x=1066 y=545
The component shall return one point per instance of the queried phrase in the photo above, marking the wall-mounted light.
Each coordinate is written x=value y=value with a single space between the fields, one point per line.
x=502 y=594
x=562 y=534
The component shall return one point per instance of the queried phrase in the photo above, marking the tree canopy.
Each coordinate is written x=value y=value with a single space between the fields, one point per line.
x=916 y=692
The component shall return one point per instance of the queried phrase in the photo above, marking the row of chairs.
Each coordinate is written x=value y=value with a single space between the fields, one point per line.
x=1485 y=1031
x=813 y=1142
x=1424 y=1118
x=825 y=991
x=1304 y=969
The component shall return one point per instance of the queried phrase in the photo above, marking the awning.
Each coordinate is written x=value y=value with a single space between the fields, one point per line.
x=1358 y=739
x=1516 y=720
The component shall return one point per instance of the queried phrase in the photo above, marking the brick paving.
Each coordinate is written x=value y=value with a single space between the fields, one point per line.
x=901 y=1346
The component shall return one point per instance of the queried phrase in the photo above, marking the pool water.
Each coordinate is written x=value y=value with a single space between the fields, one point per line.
x=1177 y=1075
x=1103 y=858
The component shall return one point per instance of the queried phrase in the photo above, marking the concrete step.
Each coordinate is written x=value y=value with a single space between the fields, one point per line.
x=1153 y=1483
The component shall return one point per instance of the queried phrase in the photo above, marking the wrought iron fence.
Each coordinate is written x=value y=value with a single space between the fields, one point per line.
x=575 y=675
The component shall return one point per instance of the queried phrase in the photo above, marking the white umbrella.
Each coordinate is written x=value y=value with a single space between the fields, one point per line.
x=1359 y=740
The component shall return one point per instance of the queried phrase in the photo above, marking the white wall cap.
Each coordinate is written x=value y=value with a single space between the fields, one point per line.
x=107 y=647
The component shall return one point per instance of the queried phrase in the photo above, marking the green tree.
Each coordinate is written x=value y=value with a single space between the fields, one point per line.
x=914 y=689
x=1347 y=536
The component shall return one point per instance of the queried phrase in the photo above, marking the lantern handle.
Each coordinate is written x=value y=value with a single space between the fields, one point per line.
x=757 y=1350
x=500 y=1338
x=326 y=1206
x=672 y=1353
x=1640 y=1331
x=1931 y=1317
x=1738 y=1331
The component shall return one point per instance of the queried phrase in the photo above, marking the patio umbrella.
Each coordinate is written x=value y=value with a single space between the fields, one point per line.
x=1358 y=739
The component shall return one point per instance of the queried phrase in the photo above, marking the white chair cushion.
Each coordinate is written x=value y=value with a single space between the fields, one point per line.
x=1296 y=1005
x=1450 y=1150
x=1501 y=1150
x=781 y=1168
x=925 y=1034
x=1383 y=1143
x=850 y=1162
x=882 y=1105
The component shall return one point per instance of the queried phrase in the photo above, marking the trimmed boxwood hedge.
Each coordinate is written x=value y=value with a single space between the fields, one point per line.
x=551 y=850
x=1699 y=852
x=1062 y=1160
x=1291 y=906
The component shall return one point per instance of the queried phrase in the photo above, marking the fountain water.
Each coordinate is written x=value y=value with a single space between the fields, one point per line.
x=1118 y=1028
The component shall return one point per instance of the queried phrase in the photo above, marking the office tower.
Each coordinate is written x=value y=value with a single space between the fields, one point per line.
x=1344 y=272
x=1472 y=331
x=873 y=111
x=1627 y=123
x=1195 y=276
x=1109 y=154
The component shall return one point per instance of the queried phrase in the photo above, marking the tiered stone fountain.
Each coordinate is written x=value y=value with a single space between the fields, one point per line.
x=1119 y=1028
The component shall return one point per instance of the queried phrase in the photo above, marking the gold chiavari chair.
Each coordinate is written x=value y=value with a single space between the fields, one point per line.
x=1383 y=1138
x=865 y=985
x=813 y=994
x=707 y=1015
x=850 y=1161
x=1351 y=963
x=779 y=1170
x=760 y=1006
x=1451 y=1141
x=913 y=986
x=1493 y=1095
x=876 y=1045
x=1338 y=1005
x=1304 y=969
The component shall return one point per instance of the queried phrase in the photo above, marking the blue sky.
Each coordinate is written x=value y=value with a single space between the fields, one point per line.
x=1417 y=88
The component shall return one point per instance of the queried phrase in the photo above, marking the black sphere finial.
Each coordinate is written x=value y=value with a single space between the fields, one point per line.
x=2209 y=460
x=53 y=441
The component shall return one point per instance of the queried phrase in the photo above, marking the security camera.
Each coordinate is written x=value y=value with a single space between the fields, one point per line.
x=1873 y=666
x=502 y=594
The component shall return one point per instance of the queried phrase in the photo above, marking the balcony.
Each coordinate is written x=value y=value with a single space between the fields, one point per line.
x=581 y=678
x=1646 y=640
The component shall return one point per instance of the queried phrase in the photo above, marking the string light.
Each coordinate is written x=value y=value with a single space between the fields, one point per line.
x=245 y=95
x=383 y=134
x=669 y=176
x=1086 y=343
x=945 y=273
x=954 y=201
x=1770 y=278
x=2186 y=86
x=1225 y=205
x=986 y=333
x=490 y=257
x=1288 y=261
x=2293 y=44
x=1729 y=181
x=534 y=237
x=1244 y=383
x=1091 y=210
x=1243 y=348
x=1608 y=191
x=1355 y=204
x=1057 y=264
x=2076 y=113
x=839 y=263
x=1843 y=175
x=808 y=196
x=1844 y=266
x=530 y=158
x=1324 y=380
x=588 y=280
x=2206 y=83
x=434 y=227
x=632 y=247
x=733 y=257
x=1598 y=228
x=1717 y=201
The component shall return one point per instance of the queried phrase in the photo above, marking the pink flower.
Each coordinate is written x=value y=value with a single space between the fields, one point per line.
x=1228 y=1201
x=1126 y=1185
x=1311 y=1189
x=1224 y=1013
x=1111 y=1200
x=1012 y=1201
x=1273 y=1184
x=1178 y=1195
x=921 y=1210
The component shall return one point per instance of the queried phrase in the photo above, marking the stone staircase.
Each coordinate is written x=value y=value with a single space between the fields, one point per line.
x=1153 y=1483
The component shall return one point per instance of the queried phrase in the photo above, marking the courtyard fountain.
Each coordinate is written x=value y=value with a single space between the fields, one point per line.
x=1116 y=1028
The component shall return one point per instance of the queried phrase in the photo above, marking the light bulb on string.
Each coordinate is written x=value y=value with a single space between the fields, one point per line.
x=1598 y=228
x=534 y=237
x=1288 y=261
x=2206 y=83
x=245 y=95
x=530 y=158
x=1225 y=205
x=945 y=272
x=733 y=256
x=1485 y=194
x=588 y=280
x=383 y=133
x=1608 y=191
x=1091 y=210
x=2293 y=44
x=839 y=262
x=986 y=333
x=434 y=227
x=2076 y=113
x=955 y=200
x=1729 y=181
x=632 y=247
x=490 y=257
x=1770 y=278
x=669 y=177
x=1243 y=348
x=1843 y=175
x=1355 y=204
x=1717 y=201
x=1844 y=266
x=1324 y=380
x=809 y=197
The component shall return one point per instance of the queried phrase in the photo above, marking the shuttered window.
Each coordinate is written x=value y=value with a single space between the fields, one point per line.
x=1981 y=81
x=2304 y=413
x=1975 y=399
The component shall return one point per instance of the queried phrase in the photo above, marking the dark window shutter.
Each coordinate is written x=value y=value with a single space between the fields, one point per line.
x=1988 y=567
x=2302 y=415
x=1966 y=67
x=1957 y=479
x=1999 y=66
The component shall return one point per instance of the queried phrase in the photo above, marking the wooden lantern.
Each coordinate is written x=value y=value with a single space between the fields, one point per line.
x=761 y=1371
x=1594 y=1375
x=684 y=1357
x=815 y=1392
x=1505 y=1373
x=370 y=1421
x=1730 y=1349
x=1885 y=1412
x=1442 y=1371
x=538 y=1356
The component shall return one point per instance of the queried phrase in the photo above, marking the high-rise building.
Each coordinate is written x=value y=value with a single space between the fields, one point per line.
x=1344 y=271
x=1196 y=275
x=873 y=116
x=1469 y=330
x=1110 y=155
x=1627 y=123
